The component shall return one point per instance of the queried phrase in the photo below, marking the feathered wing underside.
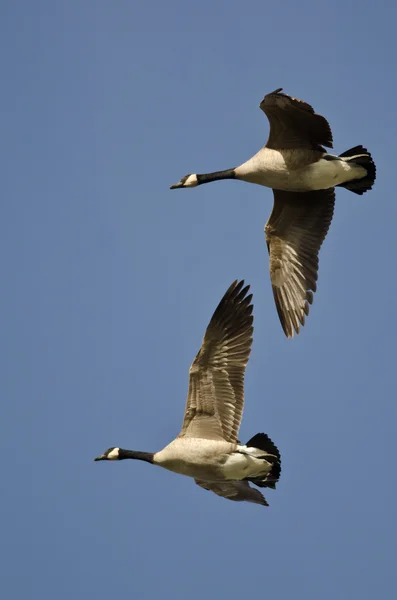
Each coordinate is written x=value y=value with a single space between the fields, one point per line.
x=215 y=400
x=239 y=491
x=294 y=124
x=295 y=232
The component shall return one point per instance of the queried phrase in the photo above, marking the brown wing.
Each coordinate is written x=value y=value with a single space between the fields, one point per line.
x=239 y=491
x=215 y=399
x=294 y=233
x=294 y=124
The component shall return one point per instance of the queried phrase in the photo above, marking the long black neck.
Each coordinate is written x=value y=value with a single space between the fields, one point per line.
x=135 y=454
x=207 y=177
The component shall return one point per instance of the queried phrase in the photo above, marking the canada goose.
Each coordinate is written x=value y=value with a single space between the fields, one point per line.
x=303 y=176
x=207 y=447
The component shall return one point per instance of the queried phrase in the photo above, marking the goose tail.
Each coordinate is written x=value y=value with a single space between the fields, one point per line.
x=263 y=442
x=362 y=158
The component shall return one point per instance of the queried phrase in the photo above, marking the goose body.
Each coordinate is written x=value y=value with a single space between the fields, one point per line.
x=207 y=448
x=303 y=176
x=296 y=172
x=212 y=460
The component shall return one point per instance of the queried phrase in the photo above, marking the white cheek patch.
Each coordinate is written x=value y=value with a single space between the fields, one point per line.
x=191 y=181
x=114 y=454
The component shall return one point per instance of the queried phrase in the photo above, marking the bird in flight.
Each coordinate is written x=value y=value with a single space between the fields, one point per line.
x=303 y=176
x=207 y=448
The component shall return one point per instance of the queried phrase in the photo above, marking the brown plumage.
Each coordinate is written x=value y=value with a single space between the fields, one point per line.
x=294 y=124
x=239 y=491
x=303 y=176
x=295 y=231
x=207 y=448
x=215 y=400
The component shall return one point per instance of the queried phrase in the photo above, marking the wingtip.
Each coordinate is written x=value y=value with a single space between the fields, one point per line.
x=233 y=286
x=277 y=91
x=237 y=290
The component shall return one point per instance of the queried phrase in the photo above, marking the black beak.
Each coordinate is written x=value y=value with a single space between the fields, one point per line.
x=101 y=457
x=176 y=186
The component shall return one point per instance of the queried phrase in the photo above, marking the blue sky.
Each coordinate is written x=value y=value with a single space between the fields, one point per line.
x=110 y=279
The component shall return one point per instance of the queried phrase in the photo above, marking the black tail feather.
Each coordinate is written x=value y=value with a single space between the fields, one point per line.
x=263 y=442
x=354 y=151
x=359 y=186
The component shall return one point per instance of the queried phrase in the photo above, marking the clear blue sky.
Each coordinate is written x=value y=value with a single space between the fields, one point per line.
x=109 y=280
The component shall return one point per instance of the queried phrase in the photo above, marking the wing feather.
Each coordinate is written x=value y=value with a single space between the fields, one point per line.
x=294 y=234
x=239 y=491
x=215 y=399
x=294 y=124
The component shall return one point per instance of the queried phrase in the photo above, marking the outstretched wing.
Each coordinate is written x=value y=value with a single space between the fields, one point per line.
x=239 y=491
x=215 y=399
x=294 y=233
x=294 y=124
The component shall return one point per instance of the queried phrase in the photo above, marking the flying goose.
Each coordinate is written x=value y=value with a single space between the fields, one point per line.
x=303 y=177
x=207 y=447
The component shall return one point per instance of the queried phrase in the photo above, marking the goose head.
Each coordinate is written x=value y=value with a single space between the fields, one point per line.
x=110 y=454
x=187 y=181
x=121 y=454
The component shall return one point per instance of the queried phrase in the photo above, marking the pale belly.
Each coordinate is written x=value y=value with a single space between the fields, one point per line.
x=325 y=174
x=198 y=458
x=270 y=169
x=194 y=469
x=213 y=462
x=239 y=466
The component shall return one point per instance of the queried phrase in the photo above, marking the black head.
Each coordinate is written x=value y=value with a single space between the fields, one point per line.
x=110 y=454
x=121 y=454
x=187 y=181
